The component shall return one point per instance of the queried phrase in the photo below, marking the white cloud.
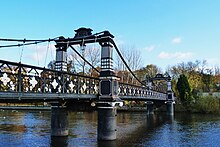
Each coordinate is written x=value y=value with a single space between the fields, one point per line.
x=176 y=55
x=176 y=40
x=150 y=48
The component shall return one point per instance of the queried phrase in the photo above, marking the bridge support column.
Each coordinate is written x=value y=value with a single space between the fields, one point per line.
x=150 y=107
x=59 y=120
x=170 y=98
x=108 y=90
x=107 y=116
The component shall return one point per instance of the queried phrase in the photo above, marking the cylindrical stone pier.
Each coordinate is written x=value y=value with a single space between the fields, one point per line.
x=170 y=107
x=107 y=123
x=59 y=120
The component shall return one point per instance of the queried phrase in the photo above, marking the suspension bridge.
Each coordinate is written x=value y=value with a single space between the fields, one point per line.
x=23 y=83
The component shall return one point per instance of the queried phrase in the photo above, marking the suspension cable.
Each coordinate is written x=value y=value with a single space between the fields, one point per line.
x=120 y=55
x=31 y=42
x=48 y=40
x=28 y=40
x=84 y=58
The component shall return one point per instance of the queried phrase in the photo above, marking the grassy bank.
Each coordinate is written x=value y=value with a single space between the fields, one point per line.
x=206 y=104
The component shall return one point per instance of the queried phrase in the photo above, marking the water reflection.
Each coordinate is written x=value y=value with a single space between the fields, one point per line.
x=139 y=127
x=170 y=119
x=59 y=141
x=107 y=143
x=13 y=128
x=32 y=128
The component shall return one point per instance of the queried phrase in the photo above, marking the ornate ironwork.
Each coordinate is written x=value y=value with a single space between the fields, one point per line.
x=17 y=77
x=129 y=91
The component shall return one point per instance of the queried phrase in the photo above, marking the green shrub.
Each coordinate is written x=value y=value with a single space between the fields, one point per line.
x=207 y=104
x=180 y=107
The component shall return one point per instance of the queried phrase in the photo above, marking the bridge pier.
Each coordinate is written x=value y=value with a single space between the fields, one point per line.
x=150 y=107
x=59 y=120
x=107 y=116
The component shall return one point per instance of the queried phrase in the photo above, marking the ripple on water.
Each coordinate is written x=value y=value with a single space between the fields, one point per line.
x=25 y=128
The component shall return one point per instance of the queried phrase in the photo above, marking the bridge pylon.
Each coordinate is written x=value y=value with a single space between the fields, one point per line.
x=61 y=56
x=59 y=113
x=108 y=99
x=170 y=98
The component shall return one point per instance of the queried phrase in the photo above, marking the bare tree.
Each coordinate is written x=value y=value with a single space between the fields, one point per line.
x=133 y=58
x=91 y=54
x=216 y=70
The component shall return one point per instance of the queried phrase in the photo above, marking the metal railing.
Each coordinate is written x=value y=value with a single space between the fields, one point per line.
x=22 y=78
x=129 y=91
x=17 y=77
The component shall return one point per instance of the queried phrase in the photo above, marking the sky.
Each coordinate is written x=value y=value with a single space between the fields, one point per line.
x=166 y=32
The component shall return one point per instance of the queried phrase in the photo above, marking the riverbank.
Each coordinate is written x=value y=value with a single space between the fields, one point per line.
x=25 y=108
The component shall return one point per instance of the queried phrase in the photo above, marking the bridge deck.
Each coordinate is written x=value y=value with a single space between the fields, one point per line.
x=32 y=97
x=41 y=97
x=20 y=82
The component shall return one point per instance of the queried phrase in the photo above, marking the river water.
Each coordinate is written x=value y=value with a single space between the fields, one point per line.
x=32 y=128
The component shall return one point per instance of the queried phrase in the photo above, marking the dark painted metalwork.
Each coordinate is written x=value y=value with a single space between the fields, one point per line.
x=32 y=83
x=107 y=128
x=21 y=78
x=129 y=91
x=82 y=32
x=18 y=79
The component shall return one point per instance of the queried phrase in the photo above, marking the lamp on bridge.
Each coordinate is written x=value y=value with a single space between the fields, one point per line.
x=148 y=81
x=82 y=33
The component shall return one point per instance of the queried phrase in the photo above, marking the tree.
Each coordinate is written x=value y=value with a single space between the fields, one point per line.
x=148 y=72
x=133 y=58
x=78 y=65
x=195 y=73
x=207 y=81
x=216 y=82
x=184 y=90
x=152 y=70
